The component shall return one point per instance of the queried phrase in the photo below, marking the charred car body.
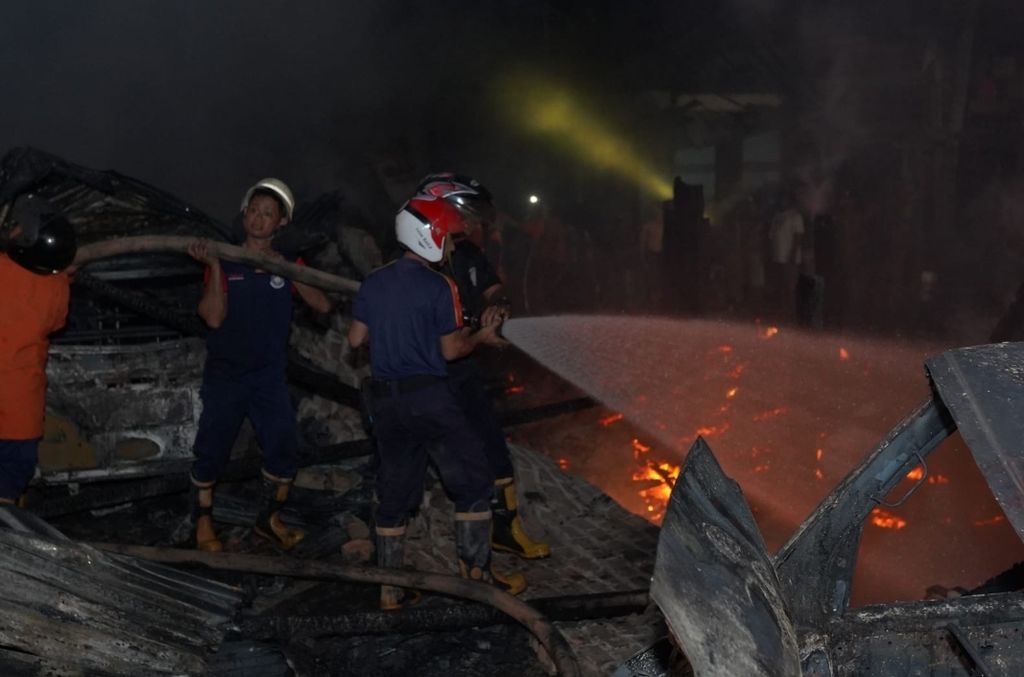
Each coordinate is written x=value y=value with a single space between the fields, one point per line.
x=735 y=610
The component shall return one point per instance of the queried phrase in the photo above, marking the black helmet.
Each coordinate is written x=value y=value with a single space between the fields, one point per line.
x=466 y=193
x=46 y=243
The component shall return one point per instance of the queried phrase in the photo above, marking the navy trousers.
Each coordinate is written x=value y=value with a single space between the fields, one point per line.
x=17 y=466
x=468 y=386
x=262 y=397
x=410 y=427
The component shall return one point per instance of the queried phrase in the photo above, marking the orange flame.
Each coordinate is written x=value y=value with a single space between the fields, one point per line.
x=656 y=496
x=712 y=430
x=639 y=448
x=916 y=474
x=886 y=520
x=610 y=418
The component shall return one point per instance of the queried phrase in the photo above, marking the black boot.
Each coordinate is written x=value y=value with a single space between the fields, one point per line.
x=391 y=555
x=508 y=534
x=473 y=544
x=269 y=524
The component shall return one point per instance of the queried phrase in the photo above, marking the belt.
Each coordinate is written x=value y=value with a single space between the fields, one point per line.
x=400 y=386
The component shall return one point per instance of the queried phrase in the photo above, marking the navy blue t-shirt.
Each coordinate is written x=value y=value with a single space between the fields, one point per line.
x=408 y=307
x=254 y=334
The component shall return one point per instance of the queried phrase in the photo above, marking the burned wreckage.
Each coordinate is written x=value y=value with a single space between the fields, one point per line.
x=122 y=410
x=735 y=610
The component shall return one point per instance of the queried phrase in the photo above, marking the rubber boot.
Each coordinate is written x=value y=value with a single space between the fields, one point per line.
x=472 y=543
x=206 y=537
x=508 y=534
x=269 y=524
x=391 y=555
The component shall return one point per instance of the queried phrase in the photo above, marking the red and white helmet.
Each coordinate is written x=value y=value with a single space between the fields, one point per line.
x=423 y=223
x=465 y=192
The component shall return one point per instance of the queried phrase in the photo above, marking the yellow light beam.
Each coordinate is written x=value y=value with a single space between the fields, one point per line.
x=551 y=110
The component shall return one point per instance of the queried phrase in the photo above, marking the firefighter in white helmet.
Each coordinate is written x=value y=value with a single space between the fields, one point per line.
x=249 y=312
x=410 y=316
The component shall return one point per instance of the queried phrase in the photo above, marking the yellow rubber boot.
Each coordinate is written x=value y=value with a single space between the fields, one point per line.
x=206 y=537
x=508 y=534
x=472 y=531
x=269 y=524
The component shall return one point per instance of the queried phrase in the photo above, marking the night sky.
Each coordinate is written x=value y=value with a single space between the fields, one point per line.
x=202 y=98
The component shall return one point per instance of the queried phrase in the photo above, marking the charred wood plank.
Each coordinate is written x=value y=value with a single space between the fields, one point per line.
x=552 y=640
x=36 y=633
x=96 y=577
x=442 y=617
x=304 y=373
x=20 y=664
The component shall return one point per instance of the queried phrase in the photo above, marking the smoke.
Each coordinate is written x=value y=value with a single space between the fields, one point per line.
x=203 y=98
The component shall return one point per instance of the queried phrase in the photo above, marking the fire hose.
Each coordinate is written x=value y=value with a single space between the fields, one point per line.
x=552 y=640
x=145 y=244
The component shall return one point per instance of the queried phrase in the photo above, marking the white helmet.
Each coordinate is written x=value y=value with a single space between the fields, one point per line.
x=423 y=223
x=278 y=188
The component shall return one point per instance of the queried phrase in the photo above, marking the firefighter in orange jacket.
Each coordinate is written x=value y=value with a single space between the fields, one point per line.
x=34 y=293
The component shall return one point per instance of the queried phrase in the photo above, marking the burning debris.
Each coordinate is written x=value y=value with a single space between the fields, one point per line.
x=736 y=610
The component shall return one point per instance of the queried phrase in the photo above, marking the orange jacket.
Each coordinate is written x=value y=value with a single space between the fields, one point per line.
x=31 y=307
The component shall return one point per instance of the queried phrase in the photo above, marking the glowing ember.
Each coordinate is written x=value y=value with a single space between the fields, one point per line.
x=563 y=463
x=938 y=479
x=818 y=475
x=711 y=431
x=725 y=349
x=769 y=332
x=639 y=448
x=609 y=419
x=732 y=392
x=916 y=474
x=735 y=373
x=764 y=467
x=886 y=520
x=844 y=354
x=512 y=390
x=771 y=413
x=990 y=521
x=818 y=454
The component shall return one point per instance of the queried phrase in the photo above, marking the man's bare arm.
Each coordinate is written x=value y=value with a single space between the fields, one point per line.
x=357 y=334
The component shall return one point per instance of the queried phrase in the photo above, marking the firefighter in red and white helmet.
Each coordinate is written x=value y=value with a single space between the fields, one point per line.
x=482 y=292
x=410 y=315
